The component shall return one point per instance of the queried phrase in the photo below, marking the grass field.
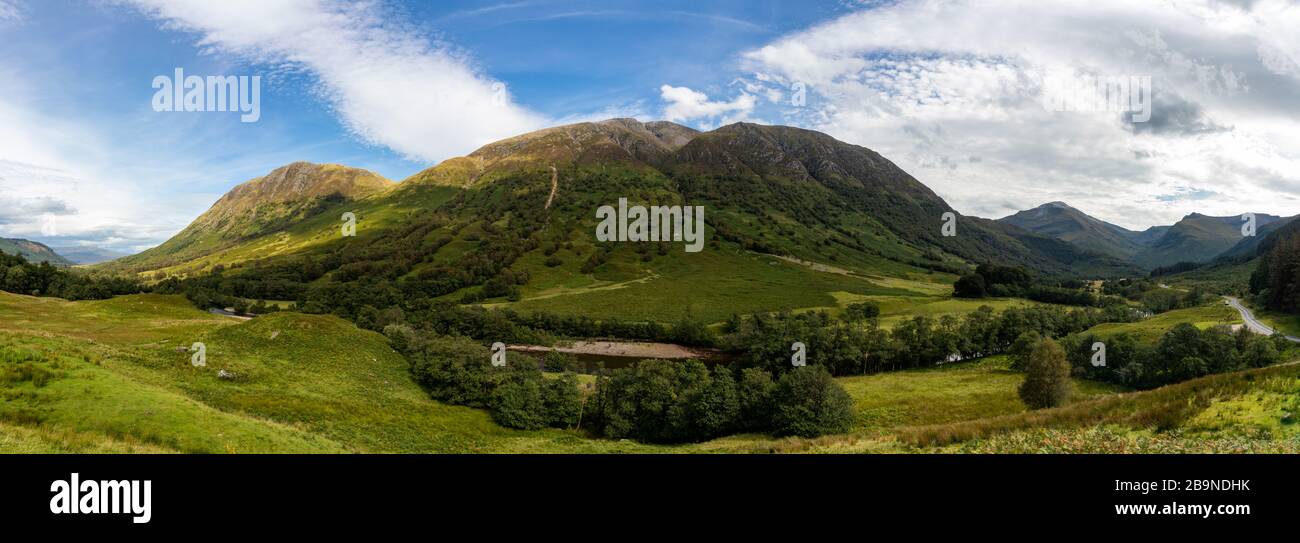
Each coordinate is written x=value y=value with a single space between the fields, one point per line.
x=710 y=286
x=108 y=376
x=1151 y=329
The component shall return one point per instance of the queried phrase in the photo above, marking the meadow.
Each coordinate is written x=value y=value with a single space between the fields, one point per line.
x=114 y=376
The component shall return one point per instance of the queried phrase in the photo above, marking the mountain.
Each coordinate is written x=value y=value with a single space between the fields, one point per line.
x=1194 y=238
x=265 y=205
x=33 y=251
x=1198 y=238
x=88 y=255
x=793 y=216
x=1251 y=246
x=1060 y=221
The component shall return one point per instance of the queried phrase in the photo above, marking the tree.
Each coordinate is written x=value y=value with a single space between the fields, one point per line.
x=861 y=311
x=562 y=400
x=1022 y=349
x=715 y=409
x=755 y=393
x=518 y=403
x=809 y=403
x=1047 y=376
x=970 y=286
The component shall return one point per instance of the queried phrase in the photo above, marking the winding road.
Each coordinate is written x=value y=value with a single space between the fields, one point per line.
x=1251 y=322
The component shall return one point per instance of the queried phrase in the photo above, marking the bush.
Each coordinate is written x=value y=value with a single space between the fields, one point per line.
x=809 y=403
x=1047 y=376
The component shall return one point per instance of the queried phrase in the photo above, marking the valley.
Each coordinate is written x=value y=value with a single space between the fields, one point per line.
x=360 y=343
x=116 y=383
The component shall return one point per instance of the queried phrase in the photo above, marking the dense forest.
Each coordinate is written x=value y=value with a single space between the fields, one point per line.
x=1276 y=281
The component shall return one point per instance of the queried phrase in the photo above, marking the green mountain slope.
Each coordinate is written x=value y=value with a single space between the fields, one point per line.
x=1195 y=238
x=514 y=222
x=1198 y=238
x=33 y=251
x=1262 y=241
x=1060 y=221
x=262 y=207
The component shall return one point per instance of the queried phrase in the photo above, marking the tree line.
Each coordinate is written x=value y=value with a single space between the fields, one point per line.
x=657 y=401
x=19 y=276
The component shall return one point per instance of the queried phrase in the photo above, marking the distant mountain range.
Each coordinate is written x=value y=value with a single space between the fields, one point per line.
x=1194 y=238
x=88 y=255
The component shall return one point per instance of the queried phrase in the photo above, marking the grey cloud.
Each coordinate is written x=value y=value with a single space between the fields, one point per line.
x=1171 y=115
x=27 y=210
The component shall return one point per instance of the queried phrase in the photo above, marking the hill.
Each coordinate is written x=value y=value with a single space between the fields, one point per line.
x=115 y=376
x=1060 y=221
x=513 y=223
x=34 y=252
x=1199 y=238
x=261 y=207
x=1195 y=238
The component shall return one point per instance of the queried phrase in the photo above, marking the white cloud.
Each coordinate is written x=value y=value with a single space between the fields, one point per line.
x=9 y=11
x=390 y=85
x=685 y=104
x=952 y=91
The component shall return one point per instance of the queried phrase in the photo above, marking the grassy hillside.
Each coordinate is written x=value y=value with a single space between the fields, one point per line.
x=1198 y=238
x=1151 y=329
x=107 y=376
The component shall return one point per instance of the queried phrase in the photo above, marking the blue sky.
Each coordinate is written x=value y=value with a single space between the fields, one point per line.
x=945 y=88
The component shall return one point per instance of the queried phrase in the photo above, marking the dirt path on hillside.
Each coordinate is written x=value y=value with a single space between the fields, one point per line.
x=555 y=175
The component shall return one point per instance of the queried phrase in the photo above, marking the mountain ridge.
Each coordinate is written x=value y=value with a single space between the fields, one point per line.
x=1194 y=238
x=770 y=189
